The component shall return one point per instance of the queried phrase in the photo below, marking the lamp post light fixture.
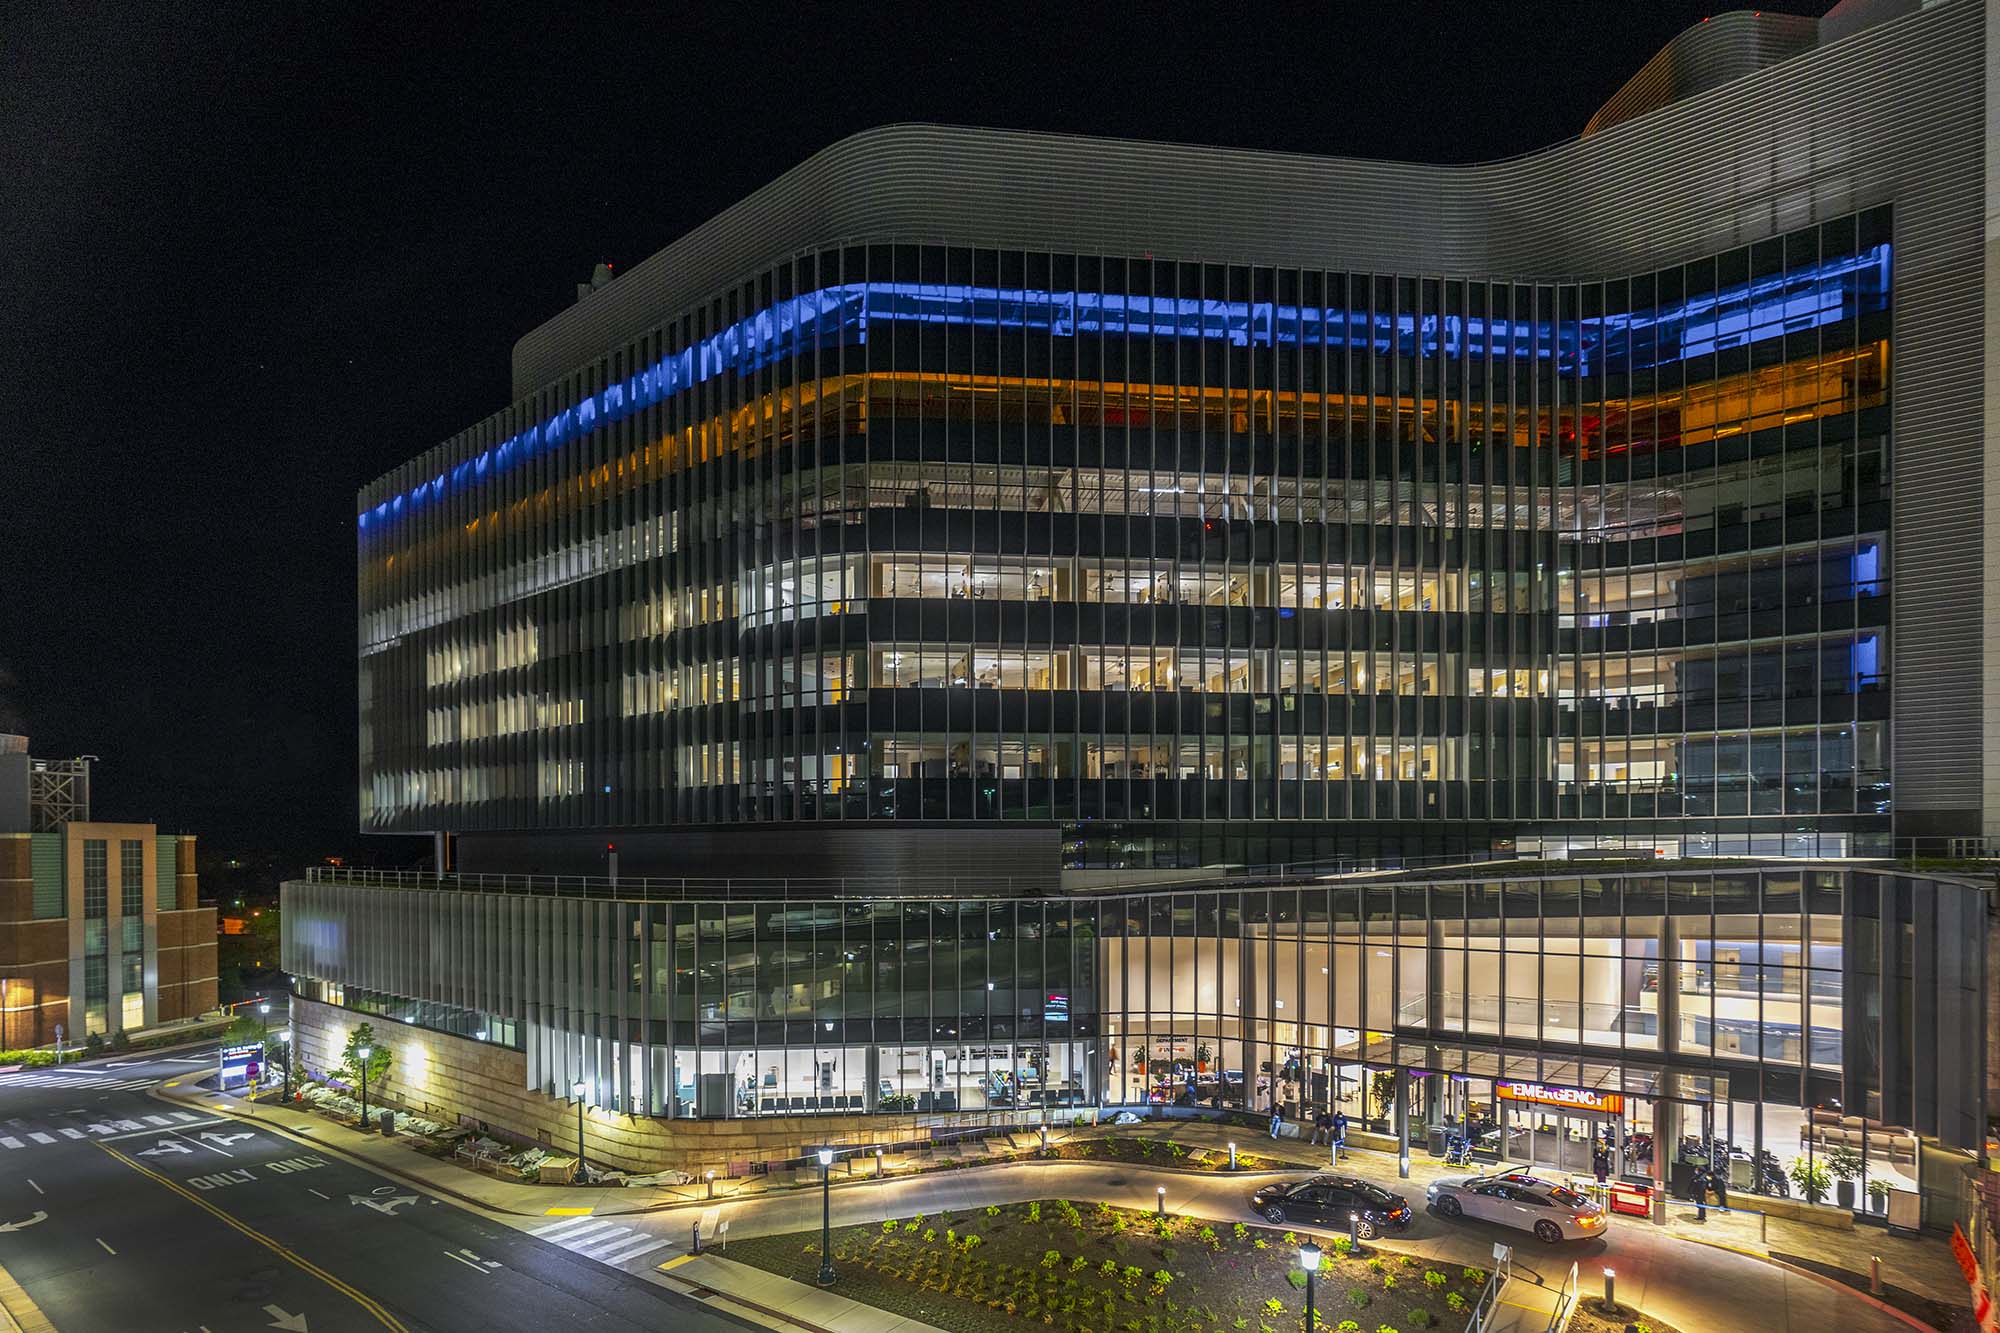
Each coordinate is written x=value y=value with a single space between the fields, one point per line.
x=577 y=1090
x=264 y=1018
x=363 y=1053
x=826 y=1217
x=1309 y=1261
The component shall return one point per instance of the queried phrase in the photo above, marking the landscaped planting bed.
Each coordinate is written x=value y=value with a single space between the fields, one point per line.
x=1092 y=1268
x=1143 y=1150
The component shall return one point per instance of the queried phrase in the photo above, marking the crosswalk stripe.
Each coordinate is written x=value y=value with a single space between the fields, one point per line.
x=39 y=1137
x=9 y=1141
x=600 y=1245
x=632 y=1249
x=70 y=1133
x=185 y=1116
x=570 y=1232
x=158 y=1120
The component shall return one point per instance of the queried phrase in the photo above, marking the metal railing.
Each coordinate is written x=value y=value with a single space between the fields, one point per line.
x=1566 y=1300
x=1487 y=1307
x=642 y=889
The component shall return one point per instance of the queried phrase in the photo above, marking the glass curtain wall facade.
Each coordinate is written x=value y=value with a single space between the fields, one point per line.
x=1737 y=1015
x=1201 y=563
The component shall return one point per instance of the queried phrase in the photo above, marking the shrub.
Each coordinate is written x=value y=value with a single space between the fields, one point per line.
x=1347 y=1326
x=1388 y=1282
x=1359 y=1297
x=930 y=1234
x=1274 y=1306
x=1385 y=1328
x=1109 y=1268
x=888 y=1226
x=1240 y=1231
x=1434 y=1279
x=1050 y=1258
x=1341 y=1246
x=1475 y=1276
x=1375 y=1265
x=1455 y=1302
x=1289 y=1239
x=1812 y=1179
x=1034 y=1212
x=1296 y=1278
x=1162 y=1278
x=1422 y=1318
x=993 y=1210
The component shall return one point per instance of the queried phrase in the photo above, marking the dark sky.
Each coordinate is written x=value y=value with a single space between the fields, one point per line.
x=251 y=257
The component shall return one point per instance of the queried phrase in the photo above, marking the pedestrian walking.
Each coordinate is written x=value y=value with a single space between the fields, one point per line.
x=1718 y=1181
x=1340 y=1128
x=1277 y=1116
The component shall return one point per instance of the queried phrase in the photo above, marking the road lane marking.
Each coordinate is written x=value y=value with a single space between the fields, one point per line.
x=367 y=1303
x=39 y=1137
x=68 y=1133
x=185 y=1117
x=568 y=1212
x=106 y=1244
x=311 y=1190
x=149 y=1133
x=36 y=1188
x=157 y=1120
x=9 y=1141
x=644 y=1244
x=575 y=1227
x=27 y=1316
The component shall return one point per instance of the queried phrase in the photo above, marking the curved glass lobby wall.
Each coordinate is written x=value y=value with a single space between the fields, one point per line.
x=1166 y=552
x=1781 y=1011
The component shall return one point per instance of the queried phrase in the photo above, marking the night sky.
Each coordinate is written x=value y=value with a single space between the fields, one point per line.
x=250 y=259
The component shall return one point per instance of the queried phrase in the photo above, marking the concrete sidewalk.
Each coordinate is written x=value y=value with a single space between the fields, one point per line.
x=778 y=1302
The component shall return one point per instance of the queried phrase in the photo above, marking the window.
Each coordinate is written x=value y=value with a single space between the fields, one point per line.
x=132 y=878
x=96 y=879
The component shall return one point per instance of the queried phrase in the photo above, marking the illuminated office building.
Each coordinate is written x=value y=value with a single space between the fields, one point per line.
x=1010 y=502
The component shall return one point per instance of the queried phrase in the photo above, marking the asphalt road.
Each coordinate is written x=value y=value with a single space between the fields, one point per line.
x=118 y=1211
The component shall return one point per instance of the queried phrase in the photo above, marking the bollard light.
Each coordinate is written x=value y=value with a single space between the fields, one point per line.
x=878 y=1164
x=1611 y=1291
x=1161 y=1208
x=1309 y=1260
x=577 y=1090
x=1354 y=1233
x=711 y=1184
x=1232 y=1157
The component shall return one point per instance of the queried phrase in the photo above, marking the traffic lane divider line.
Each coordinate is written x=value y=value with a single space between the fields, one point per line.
x=284 y=1252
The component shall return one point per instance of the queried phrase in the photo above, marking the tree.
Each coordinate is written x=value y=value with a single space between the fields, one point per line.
x=350 y=1057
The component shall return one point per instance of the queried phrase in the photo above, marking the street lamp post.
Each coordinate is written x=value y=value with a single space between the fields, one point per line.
x=362 y=1053
x=1309 y=1261
x=826 y=1217
x=264 y=1018
x=576 y=1090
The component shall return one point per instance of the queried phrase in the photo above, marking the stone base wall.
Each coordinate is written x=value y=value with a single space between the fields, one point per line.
x=458 y=1081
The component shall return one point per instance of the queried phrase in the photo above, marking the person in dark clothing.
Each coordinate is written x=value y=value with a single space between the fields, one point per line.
x=1600 y=1162
x=1340 y=1128
x=1718 y=1180
x=1277 y=1116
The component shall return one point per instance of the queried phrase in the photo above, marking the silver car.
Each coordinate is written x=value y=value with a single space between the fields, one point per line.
x=1552 y=1211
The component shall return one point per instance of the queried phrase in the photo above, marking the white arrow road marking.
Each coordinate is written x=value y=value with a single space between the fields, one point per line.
x=473 y=1261
x=37 y=1216
x=296 y=1323
x=387 y=1206
x=214 y=1137
x=167 y=1147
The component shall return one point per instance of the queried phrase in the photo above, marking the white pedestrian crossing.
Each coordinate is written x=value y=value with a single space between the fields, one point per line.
x=9 y=1141
x=39 y=1137
x=596 y=1238
x=74 y=1082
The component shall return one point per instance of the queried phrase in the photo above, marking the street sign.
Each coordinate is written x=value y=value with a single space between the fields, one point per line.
x=237 y=1066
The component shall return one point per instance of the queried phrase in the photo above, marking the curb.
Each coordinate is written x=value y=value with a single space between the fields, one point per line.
x=1820 y=1278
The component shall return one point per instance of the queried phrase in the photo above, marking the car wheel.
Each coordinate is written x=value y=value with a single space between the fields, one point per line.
x=1548 y=1233
x=1448 y=1207
x=1365 y=1229
x=1274 y=1214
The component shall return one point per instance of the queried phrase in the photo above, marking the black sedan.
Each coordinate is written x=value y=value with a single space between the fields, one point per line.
x=1334 y=1201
